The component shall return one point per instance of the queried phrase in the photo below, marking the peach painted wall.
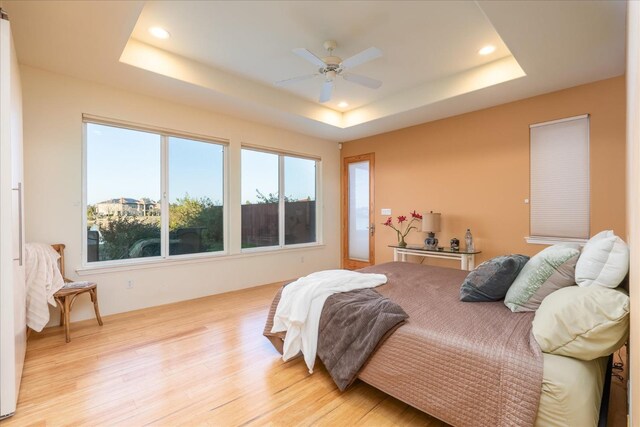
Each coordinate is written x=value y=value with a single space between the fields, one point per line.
x=474 y=169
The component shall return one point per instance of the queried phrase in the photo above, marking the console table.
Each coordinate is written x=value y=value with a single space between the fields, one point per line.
x=467 y=259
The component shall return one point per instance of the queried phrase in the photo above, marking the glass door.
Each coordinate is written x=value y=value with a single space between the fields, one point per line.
x=358 y=225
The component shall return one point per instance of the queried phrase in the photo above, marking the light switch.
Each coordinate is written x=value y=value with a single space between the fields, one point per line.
x=385 y=211
x=526 y=201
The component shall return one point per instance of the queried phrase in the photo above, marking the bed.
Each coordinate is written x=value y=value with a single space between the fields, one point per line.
x=472 y=364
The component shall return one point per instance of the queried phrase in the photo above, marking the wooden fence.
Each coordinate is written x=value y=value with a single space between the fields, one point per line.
x=260 y=223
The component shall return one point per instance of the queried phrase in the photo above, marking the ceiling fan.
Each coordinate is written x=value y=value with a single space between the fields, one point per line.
x=332 y=66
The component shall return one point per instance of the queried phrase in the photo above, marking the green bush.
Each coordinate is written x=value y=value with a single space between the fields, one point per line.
x=202 y=213
x=195 y=225
x=121 y=233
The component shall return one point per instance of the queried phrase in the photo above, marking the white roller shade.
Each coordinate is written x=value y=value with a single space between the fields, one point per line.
x=559 y=199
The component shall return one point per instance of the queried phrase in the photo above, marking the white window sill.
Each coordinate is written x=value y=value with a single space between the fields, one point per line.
x=278 y=248
x=195 y=259
x=543 y=240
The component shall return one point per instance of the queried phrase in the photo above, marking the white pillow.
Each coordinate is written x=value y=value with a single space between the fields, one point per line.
x=604 y=261
x=584 y=323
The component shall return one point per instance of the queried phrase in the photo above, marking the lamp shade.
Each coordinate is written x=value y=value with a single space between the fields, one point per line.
x=431 y=222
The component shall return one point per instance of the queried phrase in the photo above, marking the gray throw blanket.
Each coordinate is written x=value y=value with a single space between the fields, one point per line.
x=352 y=326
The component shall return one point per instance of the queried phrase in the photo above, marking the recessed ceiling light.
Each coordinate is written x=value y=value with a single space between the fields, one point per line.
x=487 y=50
x=160 y=33
x=343 y=104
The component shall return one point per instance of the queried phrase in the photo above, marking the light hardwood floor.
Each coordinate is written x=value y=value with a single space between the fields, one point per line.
x=199 y=362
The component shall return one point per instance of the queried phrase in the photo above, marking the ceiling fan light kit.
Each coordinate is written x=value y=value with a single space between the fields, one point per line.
x=331 y=67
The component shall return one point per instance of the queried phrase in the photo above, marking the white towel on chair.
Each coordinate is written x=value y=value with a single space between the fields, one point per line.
x=43 y=279
x=298 y=312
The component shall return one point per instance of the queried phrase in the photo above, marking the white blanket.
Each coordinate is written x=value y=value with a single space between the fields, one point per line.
x=298 y=312
x=43 y=280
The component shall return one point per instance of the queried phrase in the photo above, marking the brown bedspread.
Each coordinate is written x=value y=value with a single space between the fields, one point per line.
x=468 y=364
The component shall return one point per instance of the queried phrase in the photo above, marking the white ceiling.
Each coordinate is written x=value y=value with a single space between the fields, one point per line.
x=255 y=40
x=225 y=56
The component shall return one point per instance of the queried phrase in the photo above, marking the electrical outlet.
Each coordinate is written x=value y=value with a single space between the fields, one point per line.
x=302 y=260
x=129 y=284
x=385 y=211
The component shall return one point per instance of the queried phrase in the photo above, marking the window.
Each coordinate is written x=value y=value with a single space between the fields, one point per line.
x=278 y=199
x=559 y=203
x=299 y=200
x=261 y=201
x=128 y=171
x=195 y=197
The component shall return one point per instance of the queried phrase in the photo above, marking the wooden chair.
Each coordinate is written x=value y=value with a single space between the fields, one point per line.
x=66 y=296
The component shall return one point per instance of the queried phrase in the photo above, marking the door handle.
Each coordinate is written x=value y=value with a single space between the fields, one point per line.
x=19 y=190
x=372 y=229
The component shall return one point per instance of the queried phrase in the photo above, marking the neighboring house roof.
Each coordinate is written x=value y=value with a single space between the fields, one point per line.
x=128 y=200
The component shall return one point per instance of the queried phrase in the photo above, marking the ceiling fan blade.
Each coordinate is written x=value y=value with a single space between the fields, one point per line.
x=295 y=79
x=362 y=57
x=363 y=80
x=327 y=88
x=306 y=54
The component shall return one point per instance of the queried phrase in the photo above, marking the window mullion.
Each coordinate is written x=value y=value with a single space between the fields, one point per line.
x=164 y=203
x=281 y=201
x=85 y=202
x=318 y=198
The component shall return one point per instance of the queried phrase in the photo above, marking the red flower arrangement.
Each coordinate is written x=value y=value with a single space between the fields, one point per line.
x=402 y=233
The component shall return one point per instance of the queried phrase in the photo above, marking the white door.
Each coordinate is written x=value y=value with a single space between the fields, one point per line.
x=12 y=283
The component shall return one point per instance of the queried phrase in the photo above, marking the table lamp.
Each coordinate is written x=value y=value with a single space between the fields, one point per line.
x=431 y=225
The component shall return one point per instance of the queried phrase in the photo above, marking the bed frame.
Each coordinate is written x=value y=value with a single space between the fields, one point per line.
x=606 y=393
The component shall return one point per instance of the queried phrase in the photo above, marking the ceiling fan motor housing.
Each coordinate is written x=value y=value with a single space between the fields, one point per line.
x=330 y=71
x=332 y=60
x=330 y=75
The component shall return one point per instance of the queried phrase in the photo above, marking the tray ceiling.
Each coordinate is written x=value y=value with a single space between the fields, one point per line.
x=225 y=56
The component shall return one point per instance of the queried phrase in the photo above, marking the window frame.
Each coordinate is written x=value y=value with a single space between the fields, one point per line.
x=281 y=202
x=164 y=135
x=552 y=240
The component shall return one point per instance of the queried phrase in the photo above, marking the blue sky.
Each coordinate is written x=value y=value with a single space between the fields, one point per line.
x=121 y=163
x=195 y=168
x=126 y=163
x=260 y=171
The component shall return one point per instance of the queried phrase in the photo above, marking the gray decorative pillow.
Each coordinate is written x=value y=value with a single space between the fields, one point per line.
x=549 y=270
x=490 y=281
